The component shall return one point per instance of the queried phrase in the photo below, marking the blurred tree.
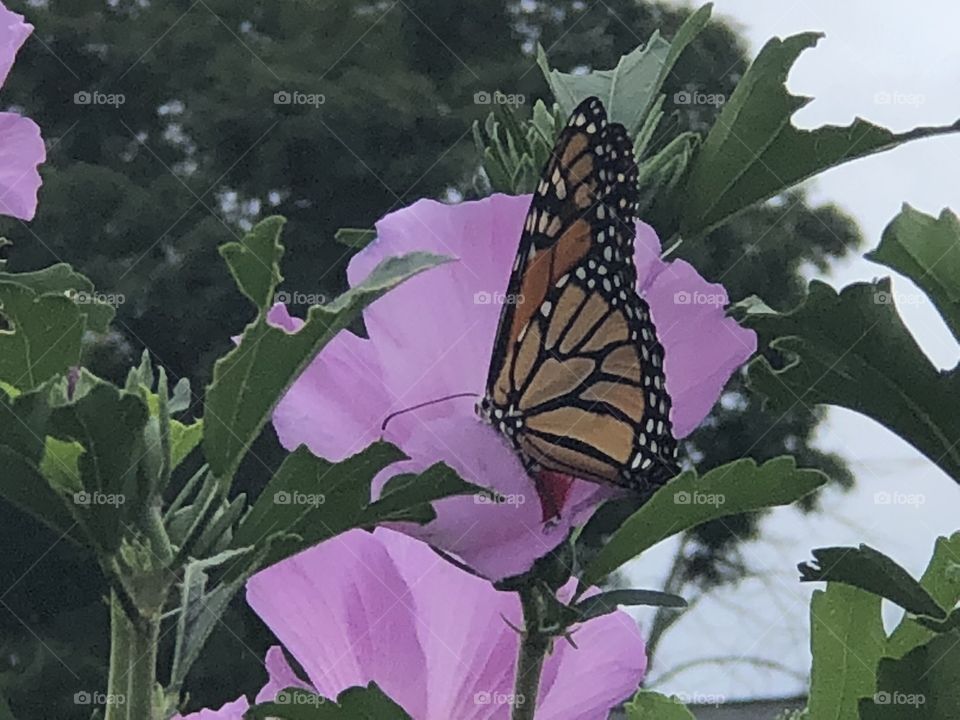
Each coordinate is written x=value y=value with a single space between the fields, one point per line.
x=379 y=100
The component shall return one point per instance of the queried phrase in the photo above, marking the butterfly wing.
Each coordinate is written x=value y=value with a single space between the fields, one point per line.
x=576 y=381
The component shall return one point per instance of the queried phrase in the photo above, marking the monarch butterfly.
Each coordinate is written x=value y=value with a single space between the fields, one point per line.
x=576 y=381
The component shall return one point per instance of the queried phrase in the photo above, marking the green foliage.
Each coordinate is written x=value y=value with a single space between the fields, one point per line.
x=874 y=572
x=847 y=641
x=754 y=152
x=942 y=582
x=607 y=602
x=356 y=703
x=921 y=684
x=249 y=381
x=926 y=250
x=648 y=705
x=851 y=349
x=631 y=89
x=689 y=500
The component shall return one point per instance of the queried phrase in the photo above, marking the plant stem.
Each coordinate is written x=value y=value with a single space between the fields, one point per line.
x=132 y=679
x=534 y=645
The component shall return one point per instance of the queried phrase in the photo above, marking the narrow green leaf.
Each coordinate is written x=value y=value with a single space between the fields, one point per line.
x=847 y=641
x=688 y=501
x=254 y=262
x=355 y=238
x=870 y=570
x=852 y=350
x=754 y=152
x=648 y=705
x=926 y=250
x=920 y=685
x=310 y=500
x=607 y=602
x=943 y=583
x=250 y=380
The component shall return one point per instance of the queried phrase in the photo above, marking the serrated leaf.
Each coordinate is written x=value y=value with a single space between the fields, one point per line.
x=852 y=350
x=689 y=500
x=874 y=572
x=921 y=684
x=250 y=379
x=45 y=337
x=847 y=641
x=647 y=705
x=355 y=238
x=356 y=703
x=926 y=250
x=942 y=584
x=630 y=89
x=310 y=500
x=254 y=262
x=753 y=151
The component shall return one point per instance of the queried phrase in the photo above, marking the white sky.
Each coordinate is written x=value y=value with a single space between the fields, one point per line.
x=907 y=52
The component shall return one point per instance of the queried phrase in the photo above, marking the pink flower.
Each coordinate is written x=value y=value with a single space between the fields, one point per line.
x=383 y=607
x=432 y=336
x=21 y=147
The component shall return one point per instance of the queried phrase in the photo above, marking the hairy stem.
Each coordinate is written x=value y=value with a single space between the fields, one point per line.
x=534 y=645
x=132 y=679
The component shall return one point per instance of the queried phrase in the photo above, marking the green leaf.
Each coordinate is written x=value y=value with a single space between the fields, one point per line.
x=689 y=500
x=61 y=279
x=108 y=423
x=355 y=238
x=5 y=712
x=310 y=499
x=629 y=90
x=60 y=464
x=926 y=250
x=920 y=685
x=45 y=336
x=943 y=584
x=754 y=152
x=607 y=602
x=250 y=380
x=847 y=642
x=874 y=572
x=852 y=350
x=183 y=439
x=356 y=703
x=23 y=427
x=255 y=261
x=648 y=705
x=200 y=611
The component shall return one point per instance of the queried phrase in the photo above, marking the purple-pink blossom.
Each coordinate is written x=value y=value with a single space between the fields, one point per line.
x=21 y=147
x=382 y=607
x=433 y=336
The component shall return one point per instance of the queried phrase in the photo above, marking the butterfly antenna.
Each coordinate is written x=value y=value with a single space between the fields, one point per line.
x=392 y=415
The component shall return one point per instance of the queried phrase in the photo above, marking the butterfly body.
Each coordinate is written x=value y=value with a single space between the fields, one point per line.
x=576 y=381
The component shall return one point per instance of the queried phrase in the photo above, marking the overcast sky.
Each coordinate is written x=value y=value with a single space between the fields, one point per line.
x=896 y=65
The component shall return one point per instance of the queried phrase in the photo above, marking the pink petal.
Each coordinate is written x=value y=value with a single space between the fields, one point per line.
x=231 y=711
x=21 y=151
x=13 y=31
x=435 y=331
x=339 y=609
x=702 y=346
x=495 y=539
x=281 y=675
x=337 y=405
x=446 y=651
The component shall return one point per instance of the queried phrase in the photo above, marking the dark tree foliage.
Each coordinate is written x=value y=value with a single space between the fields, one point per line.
x=138 y=196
